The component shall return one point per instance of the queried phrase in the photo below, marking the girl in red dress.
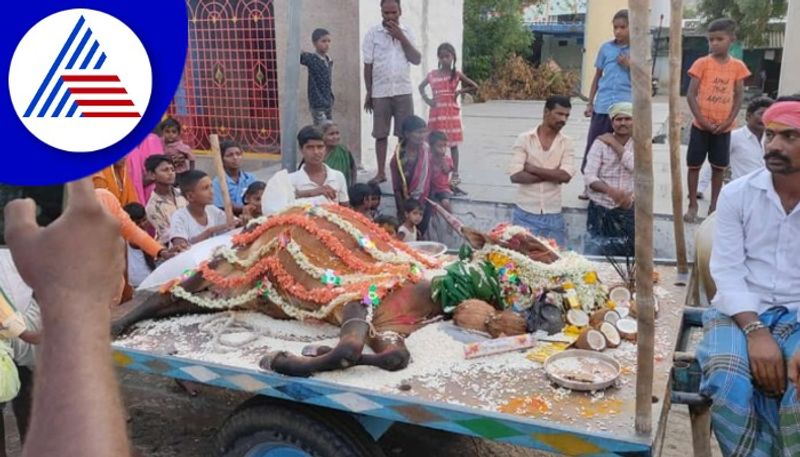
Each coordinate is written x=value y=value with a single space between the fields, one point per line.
x=445 y=114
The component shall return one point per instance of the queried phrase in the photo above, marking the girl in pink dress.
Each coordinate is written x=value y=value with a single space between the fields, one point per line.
x=445 y=114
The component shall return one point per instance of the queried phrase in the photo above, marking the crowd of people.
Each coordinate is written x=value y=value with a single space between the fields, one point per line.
x=161 y=204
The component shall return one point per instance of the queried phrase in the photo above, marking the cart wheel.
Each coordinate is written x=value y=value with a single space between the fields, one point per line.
x=282 y=429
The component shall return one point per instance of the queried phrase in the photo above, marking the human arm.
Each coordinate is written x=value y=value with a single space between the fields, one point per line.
x=467 y=85
x=625 y=155
x=591 y=177
x=593 y=93
x=519 y=161
x=738 y=99
x=75 y=358
x=428 y=101
x=368 y=82
x=130 y=232
x=368 y=55
x=406 y=40
x=328 y=191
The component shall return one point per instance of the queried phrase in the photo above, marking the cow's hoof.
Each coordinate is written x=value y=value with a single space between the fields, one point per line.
x=267 y=362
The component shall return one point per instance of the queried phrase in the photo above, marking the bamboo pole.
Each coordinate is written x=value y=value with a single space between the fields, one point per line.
x=641 y=75
x=675 y=56
x=219 y=169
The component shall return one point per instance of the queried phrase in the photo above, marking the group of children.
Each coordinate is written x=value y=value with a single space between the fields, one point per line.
x=183 y=205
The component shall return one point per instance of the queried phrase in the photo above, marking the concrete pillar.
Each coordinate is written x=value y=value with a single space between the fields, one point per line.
x=345 y=43
x=790 y=66
x=598 y=30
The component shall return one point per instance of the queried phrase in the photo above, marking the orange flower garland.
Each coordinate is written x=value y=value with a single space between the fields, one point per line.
x=381 y=234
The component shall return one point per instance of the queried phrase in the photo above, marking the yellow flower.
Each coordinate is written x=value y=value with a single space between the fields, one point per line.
x=498 y=260
x=590 y=277
x=611 y=304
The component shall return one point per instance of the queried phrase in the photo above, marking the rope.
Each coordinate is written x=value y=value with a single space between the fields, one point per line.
x=222 y=324
x=372 y=332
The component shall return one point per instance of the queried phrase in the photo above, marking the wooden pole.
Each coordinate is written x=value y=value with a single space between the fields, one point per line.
x=675 y=57
x=643 y=175
x=216 y=154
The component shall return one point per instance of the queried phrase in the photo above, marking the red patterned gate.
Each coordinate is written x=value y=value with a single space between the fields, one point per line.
x=230 y=83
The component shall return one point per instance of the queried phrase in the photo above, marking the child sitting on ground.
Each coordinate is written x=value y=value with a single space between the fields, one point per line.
x=374 y=199
x=199 y=220
x=179 y=152
x=165 y=199
x=252 y=201
x=388 y=223
x=413 y=216
x=360 y=199
x=441 y=167
x=140 y=265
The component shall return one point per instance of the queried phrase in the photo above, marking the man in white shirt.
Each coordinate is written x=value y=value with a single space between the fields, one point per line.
x=388 y=50
x=752 y=334
x=747 y=152
x=314 y=183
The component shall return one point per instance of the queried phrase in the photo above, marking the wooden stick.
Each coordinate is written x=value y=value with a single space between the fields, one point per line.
x=216 y=154
x=675 y=54
x=641 y=75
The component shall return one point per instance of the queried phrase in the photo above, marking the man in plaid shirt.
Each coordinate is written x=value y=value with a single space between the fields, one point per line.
x=609 y=178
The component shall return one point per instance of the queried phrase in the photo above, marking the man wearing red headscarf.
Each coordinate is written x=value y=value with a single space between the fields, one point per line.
x=750 y=353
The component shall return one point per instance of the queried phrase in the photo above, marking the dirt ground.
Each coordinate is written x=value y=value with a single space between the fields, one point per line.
x=165 y=421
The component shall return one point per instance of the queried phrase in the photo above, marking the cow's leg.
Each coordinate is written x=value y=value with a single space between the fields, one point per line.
x=353 y=337
x=390 y=352
x=156 y=305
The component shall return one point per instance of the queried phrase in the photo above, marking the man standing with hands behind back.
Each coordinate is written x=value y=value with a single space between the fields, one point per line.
x=388 y=49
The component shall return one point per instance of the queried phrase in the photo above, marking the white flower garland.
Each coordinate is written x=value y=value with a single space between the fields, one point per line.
x=215 y=303
x=231 y=255
x=537 y=274
x=395 y=257
x=316 y=272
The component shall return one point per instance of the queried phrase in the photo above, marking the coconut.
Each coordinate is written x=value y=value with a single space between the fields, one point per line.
x=610 y=332
x=619 y=294
x=623 y=311
x=474 y=315
x=628 y=328
x=591 y=339
x=507 y=323
x=577 y=317
x=603 y=315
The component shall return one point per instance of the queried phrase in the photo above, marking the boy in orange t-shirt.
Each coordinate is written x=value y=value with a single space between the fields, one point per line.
x=715 y=97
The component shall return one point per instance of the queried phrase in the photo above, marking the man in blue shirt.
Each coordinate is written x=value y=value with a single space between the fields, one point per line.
x=238 y=180
x=611 y=84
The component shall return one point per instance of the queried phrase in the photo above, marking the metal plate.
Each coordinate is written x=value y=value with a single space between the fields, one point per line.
x=604 y=369
x=431 y=248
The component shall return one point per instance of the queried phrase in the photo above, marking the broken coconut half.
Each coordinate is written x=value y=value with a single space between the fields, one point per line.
x=591 y=339
x=628 y=328
x=619 y=295
x=577 y=317
x=604 y=315
x=610 y=332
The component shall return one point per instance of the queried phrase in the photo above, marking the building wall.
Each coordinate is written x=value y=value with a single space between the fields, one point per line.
x=441 y=21
x=568 y=57
x=346 y=74
x=790 y=68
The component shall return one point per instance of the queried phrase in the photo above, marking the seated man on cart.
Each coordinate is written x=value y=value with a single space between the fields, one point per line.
x=750 y=353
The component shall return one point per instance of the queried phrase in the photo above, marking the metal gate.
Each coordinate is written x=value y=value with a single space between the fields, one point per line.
x=230 y=82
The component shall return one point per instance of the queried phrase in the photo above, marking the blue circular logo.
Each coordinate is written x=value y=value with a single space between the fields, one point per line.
x=87 y=81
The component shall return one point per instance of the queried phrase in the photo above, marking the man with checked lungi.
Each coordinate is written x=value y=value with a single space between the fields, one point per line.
x=750 y=353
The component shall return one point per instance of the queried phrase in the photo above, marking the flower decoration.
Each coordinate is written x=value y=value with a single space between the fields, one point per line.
x=371 y=297
x=331 y=279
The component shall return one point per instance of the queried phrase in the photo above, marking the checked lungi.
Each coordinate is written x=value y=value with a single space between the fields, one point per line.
x=747 y=422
